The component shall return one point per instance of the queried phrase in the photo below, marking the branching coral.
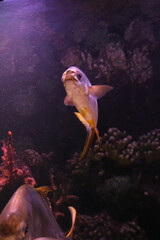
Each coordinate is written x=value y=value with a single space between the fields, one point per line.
x=11 y=168
x=8 y=157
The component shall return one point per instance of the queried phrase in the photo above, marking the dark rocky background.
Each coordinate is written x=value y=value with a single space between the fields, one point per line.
x=113 y=42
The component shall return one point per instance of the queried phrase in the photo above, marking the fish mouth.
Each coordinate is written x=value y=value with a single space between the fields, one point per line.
x=70 y=78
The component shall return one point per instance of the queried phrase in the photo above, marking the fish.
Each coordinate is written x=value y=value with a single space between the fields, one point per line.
x=27 y=216
x=83 y=95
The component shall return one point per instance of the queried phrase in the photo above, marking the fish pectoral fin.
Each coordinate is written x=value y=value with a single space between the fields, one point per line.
x=68 y=101
x=99 y=91
x=73 y=216
x=85 y=123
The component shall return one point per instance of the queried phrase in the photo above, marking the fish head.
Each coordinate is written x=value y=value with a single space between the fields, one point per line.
x=14 y=227
x=75 y=75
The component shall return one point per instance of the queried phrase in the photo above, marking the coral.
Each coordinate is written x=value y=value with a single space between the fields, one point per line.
x=30 y=181
x=105 y=52
x=96 y=227
x=106 y=175
x=111 y=58
x=149 y=146
x=102 y=227
x=118 y=151
x=32 y=158
x=8 y=157
x=121 y=177
x=108 y=186
x=119 y=147
x=12 y=169
x=131 y=230
x=95 y=174
x=140 y=67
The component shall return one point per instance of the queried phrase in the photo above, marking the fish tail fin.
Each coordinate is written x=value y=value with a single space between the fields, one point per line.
x=73 y=216
x=88 y=142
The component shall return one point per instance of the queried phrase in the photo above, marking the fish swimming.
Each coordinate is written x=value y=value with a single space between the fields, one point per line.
x=82 y=95
x=27 y=216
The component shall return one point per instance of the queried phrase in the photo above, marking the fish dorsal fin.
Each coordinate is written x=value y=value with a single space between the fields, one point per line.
x=99 y=91
x=86 y=124
x=73 y=216
x=44 y=190
x=68 y=101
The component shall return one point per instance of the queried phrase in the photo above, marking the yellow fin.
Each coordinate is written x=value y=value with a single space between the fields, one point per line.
x=97 y=134
x=73 y=216
x=43 y=191
x=87 y=143
x=92 y=124
x=85 y=123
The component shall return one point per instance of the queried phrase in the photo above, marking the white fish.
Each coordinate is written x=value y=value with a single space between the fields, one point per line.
x=82 y=95
x=27 y=216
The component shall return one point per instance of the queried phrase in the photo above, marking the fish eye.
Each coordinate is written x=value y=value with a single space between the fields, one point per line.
x=79 y=76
